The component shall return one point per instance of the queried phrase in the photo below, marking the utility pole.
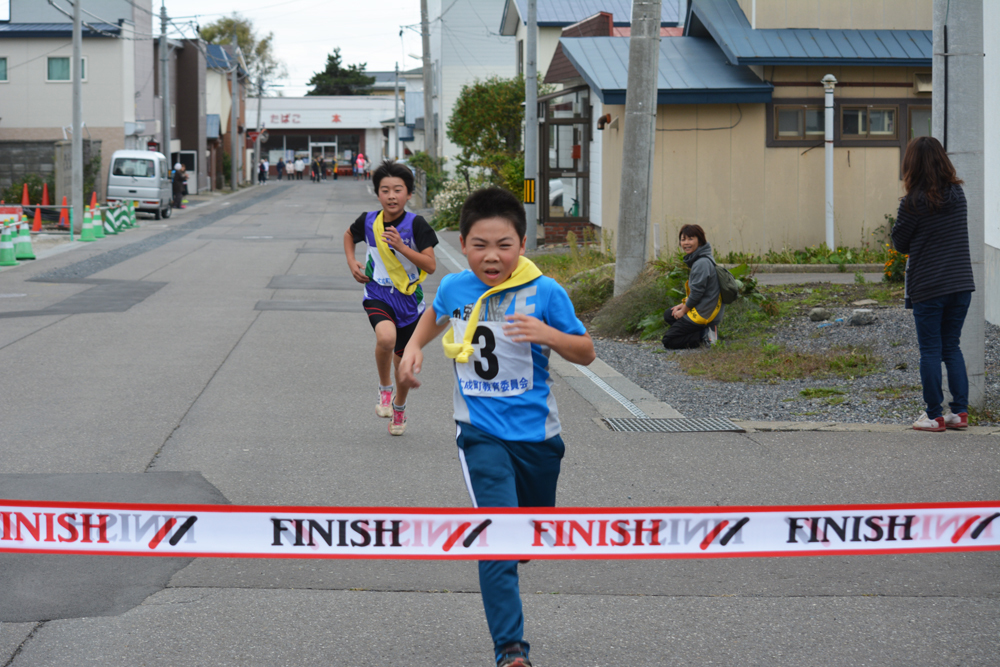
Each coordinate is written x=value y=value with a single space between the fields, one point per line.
x=531 y=127
x=77 y=147
x=957 y=121
x=256 y=142
x=395 y=114
x=429 y=129
x=165 y=82
x=640 y=135
x=233 y=134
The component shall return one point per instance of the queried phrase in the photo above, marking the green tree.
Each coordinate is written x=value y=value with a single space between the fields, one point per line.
x=263 y=67
x=338 y=79
x=486 y=123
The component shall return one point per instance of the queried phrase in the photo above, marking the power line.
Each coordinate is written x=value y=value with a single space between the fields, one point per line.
x=61 y=46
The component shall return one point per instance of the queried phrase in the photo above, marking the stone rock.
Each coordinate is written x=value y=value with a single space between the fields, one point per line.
x=820 y=314
x=861 y=317
x=865 y=302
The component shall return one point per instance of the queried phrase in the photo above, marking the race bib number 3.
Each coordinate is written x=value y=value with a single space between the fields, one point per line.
x=498 y=367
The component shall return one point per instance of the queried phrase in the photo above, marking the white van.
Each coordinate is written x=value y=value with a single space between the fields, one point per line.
x=142 y=177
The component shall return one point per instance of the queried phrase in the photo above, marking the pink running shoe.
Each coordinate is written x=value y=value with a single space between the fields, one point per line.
x=398 y=423
x=384 y=406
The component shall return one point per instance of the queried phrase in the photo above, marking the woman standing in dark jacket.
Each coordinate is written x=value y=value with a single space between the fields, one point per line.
x=695 y=320
x=932 y=228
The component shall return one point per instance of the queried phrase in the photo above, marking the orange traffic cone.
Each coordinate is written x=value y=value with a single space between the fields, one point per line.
x=36 y=226
x=25 y=200
x=93 y=201
x=45 y=195
x=64 y=214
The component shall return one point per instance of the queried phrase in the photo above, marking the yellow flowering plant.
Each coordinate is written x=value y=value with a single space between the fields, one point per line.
x=895 y=266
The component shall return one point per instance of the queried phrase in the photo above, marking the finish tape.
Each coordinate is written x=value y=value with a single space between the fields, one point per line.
x=232 y=531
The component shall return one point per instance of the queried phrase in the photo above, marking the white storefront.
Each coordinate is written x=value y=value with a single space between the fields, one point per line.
x=334 y=127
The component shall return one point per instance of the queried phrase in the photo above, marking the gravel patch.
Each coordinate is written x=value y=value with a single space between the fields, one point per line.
x=892 y=396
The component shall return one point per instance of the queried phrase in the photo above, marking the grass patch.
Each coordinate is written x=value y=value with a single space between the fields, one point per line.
x=821 y=392
x=587 y=273
x=821 y=254
x=896 y=392
x=795 y=298
x=742 y=363
x=985 y=416
x=640 y=309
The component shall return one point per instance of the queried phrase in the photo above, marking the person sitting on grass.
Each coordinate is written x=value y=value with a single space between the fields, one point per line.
x=695 y=320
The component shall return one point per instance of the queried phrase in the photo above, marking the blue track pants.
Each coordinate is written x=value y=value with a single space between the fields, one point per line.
x=505 y=473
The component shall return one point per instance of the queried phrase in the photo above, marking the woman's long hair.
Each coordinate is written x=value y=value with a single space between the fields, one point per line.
x=927 y=172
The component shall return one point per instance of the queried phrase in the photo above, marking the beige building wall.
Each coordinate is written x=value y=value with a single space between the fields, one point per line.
x=840 y=14
x=746 y=196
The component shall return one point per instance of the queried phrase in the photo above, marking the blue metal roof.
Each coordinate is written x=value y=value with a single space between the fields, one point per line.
x=726 y=23
x=216 y=57
x=691 y=70
x=561 y=13
x=40 y=30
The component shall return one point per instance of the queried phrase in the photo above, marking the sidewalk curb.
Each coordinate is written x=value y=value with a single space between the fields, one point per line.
x=844 y=427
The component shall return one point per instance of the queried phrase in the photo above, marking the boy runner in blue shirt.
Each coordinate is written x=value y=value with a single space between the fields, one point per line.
x=504 y=318
x=400 y=255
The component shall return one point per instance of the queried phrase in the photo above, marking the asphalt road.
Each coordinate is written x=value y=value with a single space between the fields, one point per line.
x=230 y=361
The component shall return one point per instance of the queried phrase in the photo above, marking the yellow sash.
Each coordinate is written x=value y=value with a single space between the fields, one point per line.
x=393 y=266
x=693 y=314
x=525 y=272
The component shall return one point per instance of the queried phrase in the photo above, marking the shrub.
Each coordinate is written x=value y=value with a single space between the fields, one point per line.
x=448 y=202
x=12 y=195
x=660 y=286
x=433 y=171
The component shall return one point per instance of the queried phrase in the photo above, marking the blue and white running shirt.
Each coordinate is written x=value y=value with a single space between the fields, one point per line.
x=504 y=389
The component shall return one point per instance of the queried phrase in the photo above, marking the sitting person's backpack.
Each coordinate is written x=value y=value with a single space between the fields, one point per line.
x=729 y=289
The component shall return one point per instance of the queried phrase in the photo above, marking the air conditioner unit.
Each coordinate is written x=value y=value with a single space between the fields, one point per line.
x=922 y=82
x=134 y=129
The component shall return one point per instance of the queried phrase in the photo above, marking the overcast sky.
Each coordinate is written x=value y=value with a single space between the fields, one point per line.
x=306 y=31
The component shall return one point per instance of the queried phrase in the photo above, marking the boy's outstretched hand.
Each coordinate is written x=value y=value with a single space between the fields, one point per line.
x=409 y=367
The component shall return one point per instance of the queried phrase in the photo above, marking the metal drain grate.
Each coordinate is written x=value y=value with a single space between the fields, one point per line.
x=707 y=425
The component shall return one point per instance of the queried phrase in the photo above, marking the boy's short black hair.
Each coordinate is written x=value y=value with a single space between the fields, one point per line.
x=492 y=203
x=393 y=168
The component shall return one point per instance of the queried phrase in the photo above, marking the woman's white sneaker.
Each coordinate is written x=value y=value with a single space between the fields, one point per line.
x=925 y=423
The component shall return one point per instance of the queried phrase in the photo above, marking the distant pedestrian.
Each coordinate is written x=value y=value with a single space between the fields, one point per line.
x=322 y=168
x=261 y=173
x=300 y=166
x=315 y=169
x=280 y=167
x=932 y=228
x=368 y=169
x=177 y=186
x=359 y=166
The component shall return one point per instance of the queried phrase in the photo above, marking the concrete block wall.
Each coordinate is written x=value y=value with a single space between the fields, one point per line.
x=21 y=158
